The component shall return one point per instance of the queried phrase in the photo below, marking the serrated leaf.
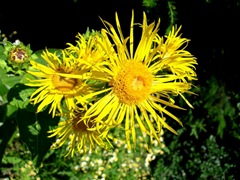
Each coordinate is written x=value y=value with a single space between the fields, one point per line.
x=26 y=93
x=19 y=103
x=19 y=95
x=9 y=80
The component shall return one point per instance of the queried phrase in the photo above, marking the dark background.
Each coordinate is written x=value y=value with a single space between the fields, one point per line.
x=53 y=23
x=212 y=26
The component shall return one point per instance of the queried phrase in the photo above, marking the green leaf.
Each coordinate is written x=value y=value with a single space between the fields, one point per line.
x=9 y=80
x=2 y=56
x=10 y=110
x=19 y=95
x=1 y=49
x=26 y=77
x=39 y=58
x=3 y=89
x=7 y=111
x=222 y=123
x=53 y=50
x=7 y=129
x=13 y=160
x=33 y=130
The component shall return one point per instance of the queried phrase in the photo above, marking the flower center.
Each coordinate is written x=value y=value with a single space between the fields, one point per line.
x=64 y=83
x=81 y=126
x=18 y=55
x=133 y=83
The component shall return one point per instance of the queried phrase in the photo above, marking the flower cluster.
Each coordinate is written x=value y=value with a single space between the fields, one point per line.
x=105 y=82
x=125 y=163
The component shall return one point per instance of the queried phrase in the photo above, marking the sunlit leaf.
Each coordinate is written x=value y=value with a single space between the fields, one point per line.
x=19 y=96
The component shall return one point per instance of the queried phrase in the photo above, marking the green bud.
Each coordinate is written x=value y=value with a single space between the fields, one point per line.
x=17 y=56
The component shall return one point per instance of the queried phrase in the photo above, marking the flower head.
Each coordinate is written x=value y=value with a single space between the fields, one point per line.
x=88 y=50
x=80 y=134
x=61 y=83
x=174 y=57
x=139 y=90
x=17 y=56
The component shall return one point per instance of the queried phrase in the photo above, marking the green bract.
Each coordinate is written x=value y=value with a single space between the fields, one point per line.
x=15 y=56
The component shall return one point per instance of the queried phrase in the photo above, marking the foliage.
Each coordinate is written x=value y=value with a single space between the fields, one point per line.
x=207 y=147
x=208 y=160
x=164 y=9
x=16 y=163
x=199 y=152
x=16 y=111
x=116 y=164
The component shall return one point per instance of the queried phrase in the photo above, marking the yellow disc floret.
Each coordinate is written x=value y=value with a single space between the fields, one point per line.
x=81 y=126
x=133 y=83
x=64 y=84
x=18 y=55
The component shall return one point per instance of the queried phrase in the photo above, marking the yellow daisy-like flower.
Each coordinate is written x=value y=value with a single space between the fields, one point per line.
x=60 y=83
x=174 y=56
x=80 y=134
x=139 y=90
x=87 y=50
x=92 y=53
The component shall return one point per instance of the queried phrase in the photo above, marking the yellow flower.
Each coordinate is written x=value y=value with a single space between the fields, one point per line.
x=87 y=50
x=174 y=57
x=138 y=88
x=60 y=83
x=80 y=134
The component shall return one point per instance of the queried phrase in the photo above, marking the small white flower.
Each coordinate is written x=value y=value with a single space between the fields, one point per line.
x=76 y=168
x=17 y=42
x=100 y=161
x=83 y=164
x=124 y=165
x=92 y=164
x=87 y=158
